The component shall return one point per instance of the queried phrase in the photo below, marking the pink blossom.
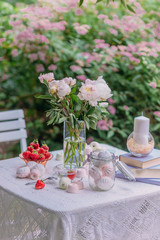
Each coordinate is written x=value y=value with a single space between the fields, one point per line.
x=14 y=53
x=56 y=59
x=5 y=76
x=33 y=57
x=126 y=107
x=158 y=64
x=39 y=68
x=42 y=56
x=2 y=40
x=89 y=140
x=81 y=77
x=113 y=31
x=111 y=100
x=102 y=125
x=42 y=38
x=153 y=84
x=70 y=81
x=75 y=68
x=81 y=29
x=48 y=77
x=133 y=59
x=114 y=69
x=112 y=110
x=52 y=67
x=157 y=113
x=63 y=89
x=78 y=12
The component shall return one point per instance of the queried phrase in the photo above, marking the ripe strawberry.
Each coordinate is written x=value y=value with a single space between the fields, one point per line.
x=30 y=148
x=47 y=155
x=35 y=144
x=34 y=155
x=71 y=174
x=26 y=154
x=41 y=151
x=41 y=157
x=39 y=184
x=45 y=147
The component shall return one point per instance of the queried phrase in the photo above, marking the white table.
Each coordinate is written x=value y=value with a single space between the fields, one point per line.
x=129 y=211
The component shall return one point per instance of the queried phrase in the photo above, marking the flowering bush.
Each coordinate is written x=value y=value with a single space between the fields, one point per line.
x=83 y=43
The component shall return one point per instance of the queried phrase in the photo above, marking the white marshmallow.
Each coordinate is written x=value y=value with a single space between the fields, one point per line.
x=95 y=146
x=72 y=188
x=23 y=172
x=64 y=182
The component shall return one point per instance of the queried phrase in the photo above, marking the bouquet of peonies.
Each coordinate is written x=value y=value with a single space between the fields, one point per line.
x=75 y=103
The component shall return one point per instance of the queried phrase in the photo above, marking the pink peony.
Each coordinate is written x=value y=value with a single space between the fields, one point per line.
x=70 y=81
x=153 y=84
x=112 y=110
x=157 y=113
x=126 y=107
x=48 y=77
x=63 y=89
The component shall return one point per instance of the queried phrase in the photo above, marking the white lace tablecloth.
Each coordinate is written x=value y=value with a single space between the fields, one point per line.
x=129 y=211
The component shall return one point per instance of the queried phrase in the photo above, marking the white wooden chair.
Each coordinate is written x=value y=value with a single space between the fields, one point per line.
x=12 y=127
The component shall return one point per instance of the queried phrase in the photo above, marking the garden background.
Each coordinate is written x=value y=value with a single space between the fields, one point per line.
x=81 y=42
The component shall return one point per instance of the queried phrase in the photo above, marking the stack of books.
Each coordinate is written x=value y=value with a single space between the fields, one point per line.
x=146 y=169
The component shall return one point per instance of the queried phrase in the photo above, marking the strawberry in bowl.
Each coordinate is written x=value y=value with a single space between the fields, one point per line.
x=36 y=153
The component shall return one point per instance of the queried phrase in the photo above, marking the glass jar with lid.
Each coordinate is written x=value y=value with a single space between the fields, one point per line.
x=101 y=170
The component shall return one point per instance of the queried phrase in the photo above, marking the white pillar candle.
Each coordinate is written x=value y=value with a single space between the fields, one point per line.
x=141 y=130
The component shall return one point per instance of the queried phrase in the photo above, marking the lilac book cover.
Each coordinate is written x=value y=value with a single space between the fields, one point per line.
x=155 y=181
x=154 y=154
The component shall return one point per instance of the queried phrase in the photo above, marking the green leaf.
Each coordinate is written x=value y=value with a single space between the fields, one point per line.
x=80 y=2
x=130 y=8
x=62 y=119
x=44 y=97
x=110 y=134
x=86 y=120
x=76 y=99
x=73 y=90
x=108 y=1
x=98 y=1
x=93 y=124
x=91 y=110
x=123 y=3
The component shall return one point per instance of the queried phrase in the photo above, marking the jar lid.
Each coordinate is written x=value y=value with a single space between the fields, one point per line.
x=102 y=156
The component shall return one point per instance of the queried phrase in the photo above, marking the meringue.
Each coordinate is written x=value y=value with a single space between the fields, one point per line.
x=23 y=172
x=105 y=183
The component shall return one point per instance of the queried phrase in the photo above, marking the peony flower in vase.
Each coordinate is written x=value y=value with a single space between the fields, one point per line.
x=80 y=106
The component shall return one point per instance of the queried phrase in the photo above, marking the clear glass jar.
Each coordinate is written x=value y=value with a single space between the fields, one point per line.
x=101 y=170
x=140 y=149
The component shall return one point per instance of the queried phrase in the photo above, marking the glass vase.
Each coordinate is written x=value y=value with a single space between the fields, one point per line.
x=74 y=139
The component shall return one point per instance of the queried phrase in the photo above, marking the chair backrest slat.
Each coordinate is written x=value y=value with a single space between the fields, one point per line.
x=10 y=115
x=12 y=125
x=12 y=135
